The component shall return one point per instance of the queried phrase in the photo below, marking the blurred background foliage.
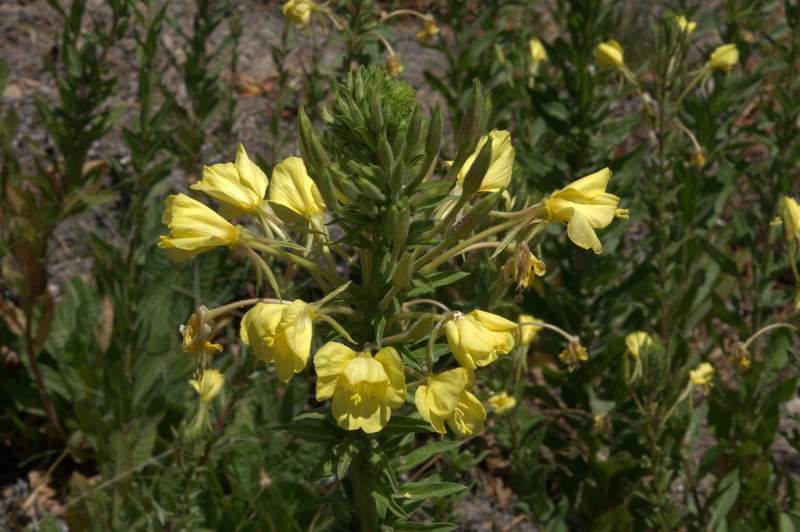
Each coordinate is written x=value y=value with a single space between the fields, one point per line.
x=132 y=98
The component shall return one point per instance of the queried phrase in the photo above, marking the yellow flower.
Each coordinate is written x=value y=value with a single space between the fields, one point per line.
x=196 y=334
x=280 y=334
x=790 y=216
x=536 y=267
x=364 y=388
x=478 y=338
x=444 y=398
x=585 y=206
x=502 y=402
x=699 y=158
x=428 y=31
x=298 y=11
x=637 y=341
x=538 y=53
x=609 y=54
x=724 y=57
x=208 y=385
x=498 y=176
x=293 y=189
x=194 y=228
x=240 y=185
x=394 y=66
x=573 y=355
x=686 y=26
x=702 y=376
x=527 y=331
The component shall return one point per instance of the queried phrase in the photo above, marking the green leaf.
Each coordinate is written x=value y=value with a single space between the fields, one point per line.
x=728 y=492
x=418 y=456
x=400 y=425
x=418 y=491
x=403 y=526
x=312 y=426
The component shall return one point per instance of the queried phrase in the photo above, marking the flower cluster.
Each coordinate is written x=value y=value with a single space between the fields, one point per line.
x=365 y=378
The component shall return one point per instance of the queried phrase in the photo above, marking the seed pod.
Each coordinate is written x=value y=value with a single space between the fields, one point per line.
x=414 y=131
x=385 y=155
x=472 y=218
x=400 y=226
x=477 y=171
x=376 y=123
x=369 y=189
x=404 y=272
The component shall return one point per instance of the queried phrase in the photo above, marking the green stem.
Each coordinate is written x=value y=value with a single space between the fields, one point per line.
x=365 y=514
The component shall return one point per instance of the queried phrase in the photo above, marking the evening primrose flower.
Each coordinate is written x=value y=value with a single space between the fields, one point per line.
x=298 y=11
x=584 y=206
x=527 y=330
x=194 y=228
x=538 y=52
x=610 y=55
x=208 y=385
x=502 y=402
x=196 y=334
x=364 y=388
x=686 y=26
x=239 y=186
x=638 y=341
x=428 y=31
x=280 y=334
x=444 y=398
x=478 y=338
x=394 y=67
x=724 y=57
x=702 y=376
x=293 y=189
x=573 y=355
x=498 y=176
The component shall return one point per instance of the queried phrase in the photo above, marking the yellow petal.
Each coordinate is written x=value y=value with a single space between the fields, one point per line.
x=329 y=363
x=393 y=366
x=250 y=174
x=493 y=322
x=364 y=368
x=468 y=417
x=194 y=227
x=259 y=328
x=444 y=390
x=581 y=233
x=498 y=176
x=291 y=187
x=353 y=410
x=421 y=400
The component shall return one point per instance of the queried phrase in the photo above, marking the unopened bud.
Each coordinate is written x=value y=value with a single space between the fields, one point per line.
x=404 y=272
x=477 y=171
x=420 y=329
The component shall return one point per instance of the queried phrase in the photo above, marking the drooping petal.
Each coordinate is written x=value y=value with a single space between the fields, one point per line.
x=393 y=365
x=329 y=363
x=468 y=417
x=292 y=188
x=582 y=234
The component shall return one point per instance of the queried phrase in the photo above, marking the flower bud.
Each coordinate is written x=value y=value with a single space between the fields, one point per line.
x=724 y=57
x=298 y=12
x=404 y=272
x=609 y=55
x=538 y=52
x=478 y=338
x=686 y=26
